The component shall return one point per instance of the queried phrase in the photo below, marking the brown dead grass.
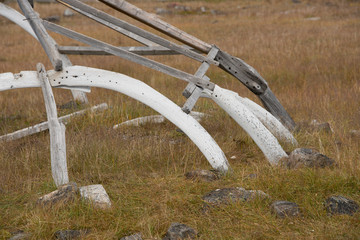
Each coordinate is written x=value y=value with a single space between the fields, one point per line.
x=313 y=67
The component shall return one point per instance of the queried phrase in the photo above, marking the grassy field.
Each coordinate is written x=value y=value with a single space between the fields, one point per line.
x=308 y=52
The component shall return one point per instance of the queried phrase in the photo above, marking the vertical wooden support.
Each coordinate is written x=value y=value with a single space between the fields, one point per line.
x=57 y=131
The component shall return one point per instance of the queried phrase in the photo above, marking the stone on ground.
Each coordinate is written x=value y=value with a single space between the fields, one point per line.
x=97 y=195
x=20 y=235
x=65 y=193
x=204 y=175
x=341 y=205
x=284 y=209
x=179 y=231
x=70 y=234
x=306 y=157
x=136 y=236
x=68 y=13
x=231 y=195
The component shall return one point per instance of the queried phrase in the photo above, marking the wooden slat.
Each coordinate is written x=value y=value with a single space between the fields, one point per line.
x=194 y=91
x=97 y=14
x=46 y=41
x=153 y=21
x=57 y=131
x=80 y=50
x=130 y=56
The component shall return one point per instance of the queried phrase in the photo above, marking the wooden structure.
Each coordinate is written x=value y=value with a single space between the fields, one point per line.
x=256 y=121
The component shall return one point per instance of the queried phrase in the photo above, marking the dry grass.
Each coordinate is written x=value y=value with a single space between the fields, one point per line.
x=313 y=67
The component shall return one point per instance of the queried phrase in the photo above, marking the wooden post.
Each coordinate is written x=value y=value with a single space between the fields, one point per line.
x=57 y=131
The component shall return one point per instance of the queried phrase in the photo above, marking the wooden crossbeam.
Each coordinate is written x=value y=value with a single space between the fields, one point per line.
x=109 y=21
x=129 y=56
x=143 y=51
x=193 y=91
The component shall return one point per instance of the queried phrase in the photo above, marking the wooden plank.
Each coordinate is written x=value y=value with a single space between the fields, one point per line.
x=155 y=22
x=97 y=14
x=45 y=40
x=272 y=104
x=129 y=56
x=44 y=125
x=57 y=131
x=194 y=91
x=143 y=51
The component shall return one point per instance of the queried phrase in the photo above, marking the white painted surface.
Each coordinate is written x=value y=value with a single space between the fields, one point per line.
x=270 y=122
x=77 y=76
x=57 y=131
x=228 y=100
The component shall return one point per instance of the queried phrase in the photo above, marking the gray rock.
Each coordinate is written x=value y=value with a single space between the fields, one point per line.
x=65 y=193
x=70 y=234
x=97 y=195
x=68 y=13
x=229 y=195
x=52 y=18
x=136 y=236
x=284 y=209
x=70 y=105
x=20 y=235
x=341 y=205
x=162 y=11
x=204 y=175
x=306 y=157
x=355 y=134
x=315 y=124
x=178 y=231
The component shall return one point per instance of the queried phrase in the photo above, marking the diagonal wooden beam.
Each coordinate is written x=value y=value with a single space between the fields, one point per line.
x=105 y=18
x=129 y=56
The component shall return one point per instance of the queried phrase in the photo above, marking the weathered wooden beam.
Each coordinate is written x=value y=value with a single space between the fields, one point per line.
x=44 y=125
x=143 y=51
x=45 y=40
x=57 y=131
x=97 y=14
x=193 y=91
x=153 y=21
x=18 y=19
x=255 y=83
x=129 y=56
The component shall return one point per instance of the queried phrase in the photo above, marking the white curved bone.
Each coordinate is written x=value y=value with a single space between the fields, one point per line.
x=78 y=76
x=229 y=101
x=270 y=122
x=17 y=18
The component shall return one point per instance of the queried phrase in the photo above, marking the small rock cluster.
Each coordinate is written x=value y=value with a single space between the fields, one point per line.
x=94 y=194
x=306 y=157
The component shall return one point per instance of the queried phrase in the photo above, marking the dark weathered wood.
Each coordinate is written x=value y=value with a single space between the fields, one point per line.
x=272 y=104
x=80 y=50
x=255 y=83
x=45 y=40
x=97 y=14
x=153 y=21
x=129 y=56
